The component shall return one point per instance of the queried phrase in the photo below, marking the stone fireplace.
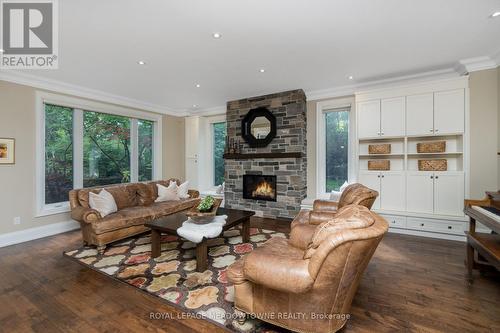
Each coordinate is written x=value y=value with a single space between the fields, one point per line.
x=253 y=174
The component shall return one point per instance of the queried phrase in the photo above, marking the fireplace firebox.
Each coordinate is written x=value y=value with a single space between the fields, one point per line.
x=259 y=187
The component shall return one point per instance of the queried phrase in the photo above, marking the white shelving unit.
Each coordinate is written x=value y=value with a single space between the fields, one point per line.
x=417 y=202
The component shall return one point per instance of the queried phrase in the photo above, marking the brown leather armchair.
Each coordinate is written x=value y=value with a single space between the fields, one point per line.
x=325 y=210
x=307 y=283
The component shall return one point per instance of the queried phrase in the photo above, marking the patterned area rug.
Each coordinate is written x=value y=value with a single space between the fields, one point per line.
x=173 y=277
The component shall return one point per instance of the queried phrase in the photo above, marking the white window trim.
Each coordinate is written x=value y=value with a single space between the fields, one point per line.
x=210 y=121
x=78 y=104
x=321 y=108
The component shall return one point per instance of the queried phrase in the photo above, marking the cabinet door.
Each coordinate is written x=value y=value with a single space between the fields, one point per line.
x=371 y=180
x=392 y=117
x=392 y=191
x=449 y=111
x=191 y=136
x=369 y=119
x=192 y=172
x=449 y=193
x=419 y=192
x=420 y=114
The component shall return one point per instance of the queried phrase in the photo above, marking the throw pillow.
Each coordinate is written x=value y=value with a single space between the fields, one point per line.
x=167 y=193
x=182 y=190
x=103 y=202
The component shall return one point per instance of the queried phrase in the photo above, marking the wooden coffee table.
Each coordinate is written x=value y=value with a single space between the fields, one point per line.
x=170 y=224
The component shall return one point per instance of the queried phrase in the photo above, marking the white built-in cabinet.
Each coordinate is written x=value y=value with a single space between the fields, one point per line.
x=410 y=199
x=391 y=188
x=439 y=193
x=381 y=118
x=440 y=112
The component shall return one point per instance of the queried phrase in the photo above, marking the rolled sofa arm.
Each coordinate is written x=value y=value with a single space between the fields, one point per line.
x=87 y=215
x=325 y=205
x=277 y=272
x=193 y=194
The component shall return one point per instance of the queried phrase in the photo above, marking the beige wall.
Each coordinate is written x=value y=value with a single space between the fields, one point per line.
x=17 y=182
x=484 y=141
x=498 y=131
x=173 y=147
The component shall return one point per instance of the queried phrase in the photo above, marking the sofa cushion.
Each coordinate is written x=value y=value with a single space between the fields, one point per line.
x=140 y=214
x=125 y=195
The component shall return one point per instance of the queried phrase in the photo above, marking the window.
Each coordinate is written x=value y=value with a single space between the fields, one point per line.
x=80 y=147
x=106 y=149
x=219 y=142
x=58 y=153
x=335 y=160
x=337 y=143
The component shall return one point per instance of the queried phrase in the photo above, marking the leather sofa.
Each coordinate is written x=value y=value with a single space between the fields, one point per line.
x=307 y=283
x=136 y=206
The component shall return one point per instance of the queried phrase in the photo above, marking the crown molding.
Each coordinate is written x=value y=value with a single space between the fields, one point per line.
x=477 y=64
x=212 y=111
x=84 y=92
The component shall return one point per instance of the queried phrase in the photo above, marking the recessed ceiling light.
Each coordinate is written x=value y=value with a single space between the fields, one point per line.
x=216 y=35
x=140 y=62
x=2 y=50
x=198 y=85
x=350 y=77
x=495 y=14
x=195 y=105
x=262 y=70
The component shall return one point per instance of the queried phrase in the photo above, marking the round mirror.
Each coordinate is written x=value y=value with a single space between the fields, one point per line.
x=260 y=127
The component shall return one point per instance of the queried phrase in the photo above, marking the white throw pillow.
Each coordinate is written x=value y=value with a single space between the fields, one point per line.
x=335 y=195
x=343 y=187
x=182 y=190
x=103 y=202
x=167 y=193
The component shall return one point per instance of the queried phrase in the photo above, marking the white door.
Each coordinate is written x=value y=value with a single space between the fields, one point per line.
x=449 y=111
x=392 y=117
x=192 y=172
x=449 y=193
x=392 y=191
x=191 y=136
x=420 y=114
x=369 y=119
x=371 y=179
x=419 y=192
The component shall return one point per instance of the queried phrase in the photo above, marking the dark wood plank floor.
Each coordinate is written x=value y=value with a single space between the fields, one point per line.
x=411 y=284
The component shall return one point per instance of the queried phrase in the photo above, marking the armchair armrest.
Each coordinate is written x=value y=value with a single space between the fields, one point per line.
x=87 y=215
x=325 y=205
x=277 y=272
x=318 y=217
x=193 y=194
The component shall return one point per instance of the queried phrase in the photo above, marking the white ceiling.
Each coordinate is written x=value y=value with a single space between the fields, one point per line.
x=308 y=44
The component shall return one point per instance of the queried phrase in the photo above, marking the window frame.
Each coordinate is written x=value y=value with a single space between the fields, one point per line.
x=211 y=121
x=79 y=106
x=321 y=109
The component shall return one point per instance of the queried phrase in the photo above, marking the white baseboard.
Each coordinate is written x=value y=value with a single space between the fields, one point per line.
x=26 y=235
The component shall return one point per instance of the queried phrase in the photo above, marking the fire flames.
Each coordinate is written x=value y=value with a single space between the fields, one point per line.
x=264 y=189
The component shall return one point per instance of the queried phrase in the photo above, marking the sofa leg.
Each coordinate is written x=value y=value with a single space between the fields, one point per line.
x=101 y=248
x=240 y=316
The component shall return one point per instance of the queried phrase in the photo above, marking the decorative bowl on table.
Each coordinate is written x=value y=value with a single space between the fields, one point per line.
x=205 y=211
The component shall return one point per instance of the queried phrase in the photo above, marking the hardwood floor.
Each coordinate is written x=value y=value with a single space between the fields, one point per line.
x=411 y=284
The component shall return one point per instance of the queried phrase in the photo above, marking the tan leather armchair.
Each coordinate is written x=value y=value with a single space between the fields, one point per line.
x=307 y=283
x=325 y=210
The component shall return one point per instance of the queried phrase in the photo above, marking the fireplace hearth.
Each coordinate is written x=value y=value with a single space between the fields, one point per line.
x=259 y=187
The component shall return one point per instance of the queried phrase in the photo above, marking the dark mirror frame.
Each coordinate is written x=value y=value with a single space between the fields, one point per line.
x=246 y=127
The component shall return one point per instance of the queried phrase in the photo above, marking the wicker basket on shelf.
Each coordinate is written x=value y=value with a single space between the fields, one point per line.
x=379 y=165
x=433 y=165
x=431 y=147
x=384 y=148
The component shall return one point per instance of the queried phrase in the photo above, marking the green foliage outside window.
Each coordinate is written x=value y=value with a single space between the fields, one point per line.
x=145 y=153
x=58 y=153
x=106 y=149
x=219 y=135
x=337 y=140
